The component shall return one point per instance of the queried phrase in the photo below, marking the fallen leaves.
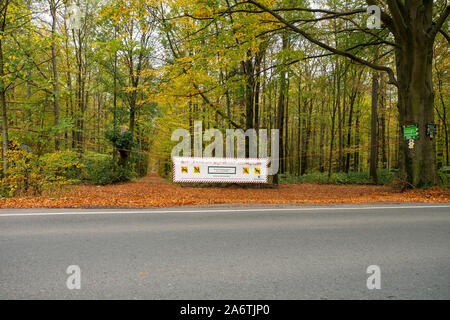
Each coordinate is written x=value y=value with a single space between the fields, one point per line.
x=153 y=191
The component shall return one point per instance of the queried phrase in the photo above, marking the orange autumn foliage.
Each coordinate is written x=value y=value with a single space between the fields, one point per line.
x=153 y=191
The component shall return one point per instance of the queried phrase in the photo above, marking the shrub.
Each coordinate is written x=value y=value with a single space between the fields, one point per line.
x=384 y=177
x=62 y=164
x=102 y=169
x=444 y=177
x=30 y=175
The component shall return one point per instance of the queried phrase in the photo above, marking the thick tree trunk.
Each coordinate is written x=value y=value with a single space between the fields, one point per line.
x=417 y=166
x=414 y=58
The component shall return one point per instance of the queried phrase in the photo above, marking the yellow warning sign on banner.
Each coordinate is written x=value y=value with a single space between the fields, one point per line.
x=196 y=169
x=184 y=169
x=257 y=170
x=245 y=170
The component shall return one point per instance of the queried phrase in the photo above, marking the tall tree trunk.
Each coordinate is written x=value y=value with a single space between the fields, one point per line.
x=3 y=92
x=382 y=126
x=280 y=118
x=69 y=101
x=258 y=61
x=349 y=128
x=305 y=148
x=322 y=133
x=339 y=115
x=443 y=116
x=299 y=137
x=79 y=114
x=286 y=125
x=55 y=73
x=373 y=130
x=356 y=154
x=281 y=107
x=115 y=97
x=247 y=69
x=445 y=129
x=333 y=119
x=4 y=117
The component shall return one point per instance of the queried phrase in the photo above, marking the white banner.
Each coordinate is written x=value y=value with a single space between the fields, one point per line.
x=234 y=170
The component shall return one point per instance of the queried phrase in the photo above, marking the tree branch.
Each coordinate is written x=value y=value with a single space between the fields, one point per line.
x=439 y=23
x=294 y=28
x=398 y=19
x=446 y=36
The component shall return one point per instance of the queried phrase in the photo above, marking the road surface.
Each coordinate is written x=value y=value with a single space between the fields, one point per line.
x=227 y=253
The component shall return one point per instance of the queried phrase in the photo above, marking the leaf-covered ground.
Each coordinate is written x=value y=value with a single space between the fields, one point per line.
x=152 y=191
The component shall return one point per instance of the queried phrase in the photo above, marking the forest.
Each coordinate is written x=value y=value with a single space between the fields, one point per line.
x=91 y=90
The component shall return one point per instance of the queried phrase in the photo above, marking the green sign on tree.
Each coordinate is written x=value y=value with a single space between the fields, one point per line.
x=410 y=132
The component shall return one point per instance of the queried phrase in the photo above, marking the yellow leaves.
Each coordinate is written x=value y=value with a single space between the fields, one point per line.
x=28 y=174
x=203 y=12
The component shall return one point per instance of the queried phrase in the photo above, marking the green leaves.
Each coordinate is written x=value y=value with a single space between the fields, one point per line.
x=121 y=140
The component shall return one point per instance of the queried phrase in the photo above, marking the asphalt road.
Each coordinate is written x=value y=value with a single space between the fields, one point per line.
x=227 y=253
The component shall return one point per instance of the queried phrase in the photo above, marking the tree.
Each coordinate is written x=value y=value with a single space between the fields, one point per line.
x=3 y=16
x=414 y=31
x=53 y=6
x=373 y=130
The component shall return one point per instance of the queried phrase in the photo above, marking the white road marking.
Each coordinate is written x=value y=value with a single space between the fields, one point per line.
x=213 y=210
